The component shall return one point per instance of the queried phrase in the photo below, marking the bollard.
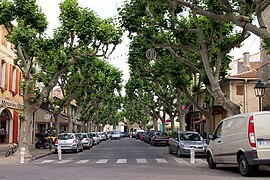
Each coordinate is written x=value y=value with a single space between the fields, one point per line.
x=192 y=155
x=59 y=151
x=22 y=154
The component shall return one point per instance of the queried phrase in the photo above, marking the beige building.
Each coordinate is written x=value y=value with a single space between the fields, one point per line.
x=239 y=86
x=11 y=100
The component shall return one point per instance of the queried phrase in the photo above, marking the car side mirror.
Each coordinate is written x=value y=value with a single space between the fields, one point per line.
x=211 y=137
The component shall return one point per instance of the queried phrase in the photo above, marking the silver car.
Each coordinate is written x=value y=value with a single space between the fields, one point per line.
x=69 y=141
x=115 y=135
x=86 y=140
x=182 y=142
x=95 y=137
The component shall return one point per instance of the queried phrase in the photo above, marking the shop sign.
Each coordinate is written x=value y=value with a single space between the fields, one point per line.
x=10 y=104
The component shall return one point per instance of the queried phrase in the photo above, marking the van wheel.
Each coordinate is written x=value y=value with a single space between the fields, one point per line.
x=170 y=150
x=244 y=168
x=178 y=152
x=211 y=163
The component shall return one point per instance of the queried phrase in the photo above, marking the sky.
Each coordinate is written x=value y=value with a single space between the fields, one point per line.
x=108 y=8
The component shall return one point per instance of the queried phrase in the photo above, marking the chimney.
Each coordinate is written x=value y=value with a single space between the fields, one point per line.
x=246 y=59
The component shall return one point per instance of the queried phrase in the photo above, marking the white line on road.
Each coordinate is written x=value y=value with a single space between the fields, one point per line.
x=81 y=162
x=181 y=161
x=161 y=161
x=47 y=161
x=62 y=162
x=102 y=161
x=121 y=161
x=141 y=161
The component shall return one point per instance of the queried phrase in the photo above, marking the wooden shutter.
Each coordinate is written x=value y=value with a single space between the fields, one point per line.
x=20 y=83
x=15 y=126
x=17 y=80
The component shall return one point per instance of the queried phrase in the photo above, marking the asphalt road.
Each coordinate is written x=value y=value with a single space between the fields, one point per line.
x=125 y=159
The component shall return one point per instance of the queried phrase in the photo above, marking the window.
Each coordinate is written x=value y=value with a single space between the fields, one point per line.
x=240 y=90
x=3 y=75
x=14 y=79
x=218 y=130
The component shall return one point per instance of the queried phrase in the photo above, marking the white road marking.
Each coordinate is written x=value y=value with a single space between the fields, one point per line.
x=62 y=162
x=81 y=162
x=47 y=161
x=161 y=161
x=141 y=161
x=121 y=161
x=102 y=161
x=181 y=161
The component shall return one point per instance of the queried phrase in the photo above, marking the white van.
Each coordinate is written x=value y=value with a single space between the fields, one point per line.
x=243 y=140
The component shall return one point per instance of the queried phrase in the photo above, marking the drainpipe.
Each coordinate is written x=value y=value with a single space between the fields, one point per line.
x=245 y=96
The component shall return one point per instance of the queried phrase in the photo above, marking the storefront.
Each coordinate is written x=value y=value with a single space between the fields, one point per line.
x=9 y=121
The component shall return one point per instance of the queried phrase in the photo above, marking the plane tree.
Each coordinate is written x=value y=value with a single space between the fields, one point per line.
x=45 y=59
x=196 y=41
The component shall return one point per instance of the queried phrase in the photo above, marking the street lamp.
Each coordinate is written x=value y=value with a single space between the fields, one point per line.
x=259 y=90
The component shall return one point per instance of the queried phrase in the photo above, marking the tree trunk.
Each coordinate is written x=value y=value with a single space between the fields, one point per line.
x=70 y=124
x=57 y=125
x=155 y=126
x=25 y=132
x=163 y=120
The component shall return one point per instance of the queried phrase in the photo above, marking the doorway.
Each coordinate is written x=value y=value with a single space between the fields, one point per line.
x=5 y=118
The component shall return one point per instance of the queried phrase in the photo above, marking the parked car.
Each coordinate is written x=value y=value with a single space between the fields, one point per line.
x=182 y=142
x=160 y=138
x=148 y=135
x=116 y=135
x=86 y=140
x=243 y=140
x=69 y=141
x=95 y=137
x=138 y=134
x=103 y=136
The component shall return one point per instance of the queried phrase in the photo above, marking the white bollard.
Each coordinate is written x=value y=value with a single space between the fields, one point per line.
x=192 y=155
x=22 y=154
x=59 y=151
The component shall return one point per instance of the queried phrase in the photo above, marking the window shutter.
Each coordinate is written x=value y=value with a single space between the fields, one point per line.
x=20 y=83
x=17 y=80
x=6 y=78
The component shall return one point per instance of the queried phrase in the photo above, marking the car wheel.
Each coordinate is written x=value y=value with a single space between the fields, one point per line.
x=211 y=163
x=46 y=145
x=244 y=168
x=178 y=152
x=170 y=150
x=76 y=150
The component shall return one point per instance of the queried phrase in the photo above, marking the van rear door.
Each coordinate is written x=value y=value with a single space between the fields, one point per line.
x=262 y=133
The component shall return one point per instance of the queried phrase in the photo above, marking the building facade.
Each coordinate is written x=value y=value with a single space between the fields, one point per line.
x=11 y=101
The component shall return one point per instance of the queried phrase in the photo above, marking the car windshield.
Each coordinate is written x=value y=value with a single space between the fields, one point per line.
x=65 y=136
x=190 y=137
x=83 y=135
x=162 y=134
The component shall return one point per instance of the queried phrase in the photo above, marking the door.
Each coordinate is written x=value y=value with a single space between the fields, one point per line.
x=262 y=132
x=215 y=144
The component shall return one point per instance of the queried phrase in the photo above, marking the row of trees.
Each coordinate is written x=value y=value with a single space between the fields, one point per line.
x=69 y=59
x=192 y=41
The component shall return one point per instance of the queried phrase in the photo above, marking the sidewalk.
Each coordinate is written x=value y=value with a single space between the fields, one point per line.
x=36 y=154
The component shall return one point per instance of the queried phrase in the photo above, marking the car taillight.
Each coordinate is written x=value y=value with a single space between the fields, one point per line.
x=87 y=139
x=251 y=132
x=56 y=142
x=74 y=142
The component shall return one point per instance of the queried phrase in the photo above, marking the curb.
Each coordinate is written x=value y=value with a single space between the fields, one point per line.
x=39 y=157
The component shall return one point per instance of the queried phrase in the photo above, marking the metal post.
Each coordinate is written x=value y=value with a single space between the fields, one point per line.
x=22 y=154
x=59 y=151
x=192 y=155
x=260 y=103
